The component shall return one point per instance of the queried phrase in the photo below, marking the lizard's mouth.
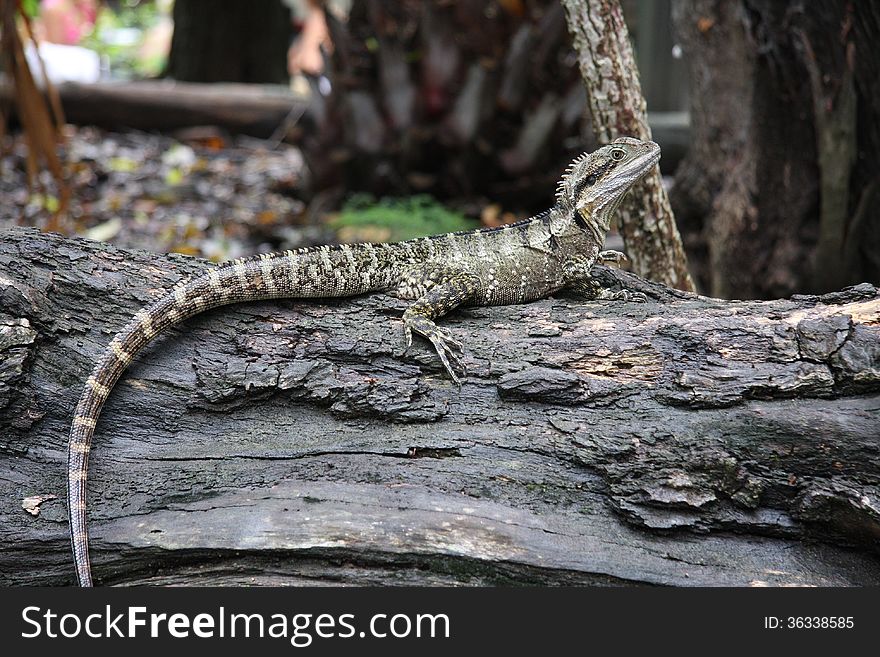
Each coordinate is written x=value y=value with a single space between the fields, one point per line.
x=638 y=167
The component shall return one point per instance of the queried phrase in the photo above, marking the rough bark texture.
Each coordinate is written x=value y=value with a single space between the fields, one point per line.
x=230 y=41
x=783 y=179
x=617 y=109
x=684 y=441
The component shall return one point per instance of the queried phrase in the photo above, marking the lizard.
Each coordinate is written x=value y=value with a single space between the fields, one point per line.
x=509 y=264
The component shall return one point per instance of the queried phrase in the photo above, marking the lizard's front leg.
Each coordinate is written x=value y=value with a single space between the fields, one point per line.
x=576 y=273
x=437 y=291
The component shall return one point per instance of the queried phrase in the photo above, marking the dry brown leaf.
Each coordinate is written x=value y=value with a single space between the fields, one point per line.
x=704 y=24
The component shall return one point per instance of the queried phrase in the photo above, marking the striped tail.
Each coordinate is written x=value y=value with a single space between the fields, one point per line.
x=318 y=272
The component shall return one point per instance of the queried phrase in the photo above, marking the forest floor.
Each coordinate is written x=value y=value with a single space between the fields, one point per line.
x=206 y=194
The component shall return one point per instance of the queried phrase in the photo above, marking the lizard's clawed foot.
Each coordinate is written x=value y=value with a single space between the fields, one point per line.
x=444 y=344
x=625 y=295
x=612 y=256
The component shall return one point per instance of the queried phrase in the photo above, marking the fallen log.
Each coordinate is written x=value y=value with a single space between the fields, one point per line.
x=684 y=441
x=166 y=105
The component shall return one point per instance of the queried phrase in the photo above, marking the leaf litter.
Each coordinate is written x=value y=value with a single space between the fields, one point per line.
x=219 y=198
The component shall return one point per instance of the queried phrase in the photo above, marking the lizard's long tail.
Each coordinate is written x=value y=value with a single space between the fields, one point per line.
x=318 y=272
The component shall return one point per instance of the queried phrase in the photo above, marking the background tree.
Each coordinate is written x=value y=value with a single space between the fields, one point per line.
x=459 y=100
x=230 y=41
x=781 y=182
x=617 y=109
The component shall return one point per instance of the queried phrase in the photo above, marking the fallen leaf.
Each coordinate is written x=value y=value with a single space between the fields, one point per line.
x=32 y=504
x=185 y=249
x=267 y=217
x=173 y=177
x=122 y=164
x=105 y=231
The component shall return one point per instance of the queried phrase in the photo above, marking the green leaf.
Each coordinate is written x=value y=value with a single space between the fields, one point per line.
x=31 y=7
x=173 y=177
x=122 y=164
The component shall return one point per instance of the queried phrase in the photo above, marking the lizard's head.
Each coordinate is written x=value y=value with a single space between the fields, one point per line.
x=595 y=183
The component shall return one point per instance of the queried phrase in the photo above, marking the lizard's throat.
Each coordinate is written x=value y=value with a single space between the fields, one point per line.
x=591 y=226
x=597 y=213
x=603 y=211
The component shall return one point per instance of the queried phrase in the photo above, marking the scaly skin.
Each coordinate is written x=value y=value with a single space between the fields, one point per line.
x=511 y=264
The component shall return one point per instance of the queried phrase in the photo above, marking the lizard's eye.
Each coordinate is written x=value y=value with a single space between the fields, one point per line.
x=617 y=154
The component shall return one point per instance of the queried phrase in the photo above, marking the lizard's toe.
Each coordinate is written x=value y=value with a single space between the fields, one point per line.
x=444 y=344
x=622 y=295
x=612 y=256
x=449 y=359
x=449 y=341
x=629 y=295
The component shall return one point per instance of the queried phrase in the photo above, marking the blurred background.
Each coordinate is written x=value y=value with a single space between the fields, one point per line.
x=222 y=128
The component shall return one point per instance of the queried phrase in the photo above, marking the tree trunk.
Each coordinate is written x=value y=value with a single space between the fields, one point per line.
x=685 y=441
x=230 y=41
x=463 y=100
x=617 y=109
x=783 y=179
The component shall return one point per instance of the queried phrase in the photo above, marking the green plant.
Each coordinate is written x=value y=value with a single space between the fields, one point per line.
x=404 y=218
x=118 y=35
x=30 y=7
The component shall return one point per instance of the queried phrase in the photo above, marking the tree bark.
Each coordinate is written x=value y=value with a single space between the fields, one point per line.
x=230 y=41
x=782 y=179
x=617 y=109
x=684 y=441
